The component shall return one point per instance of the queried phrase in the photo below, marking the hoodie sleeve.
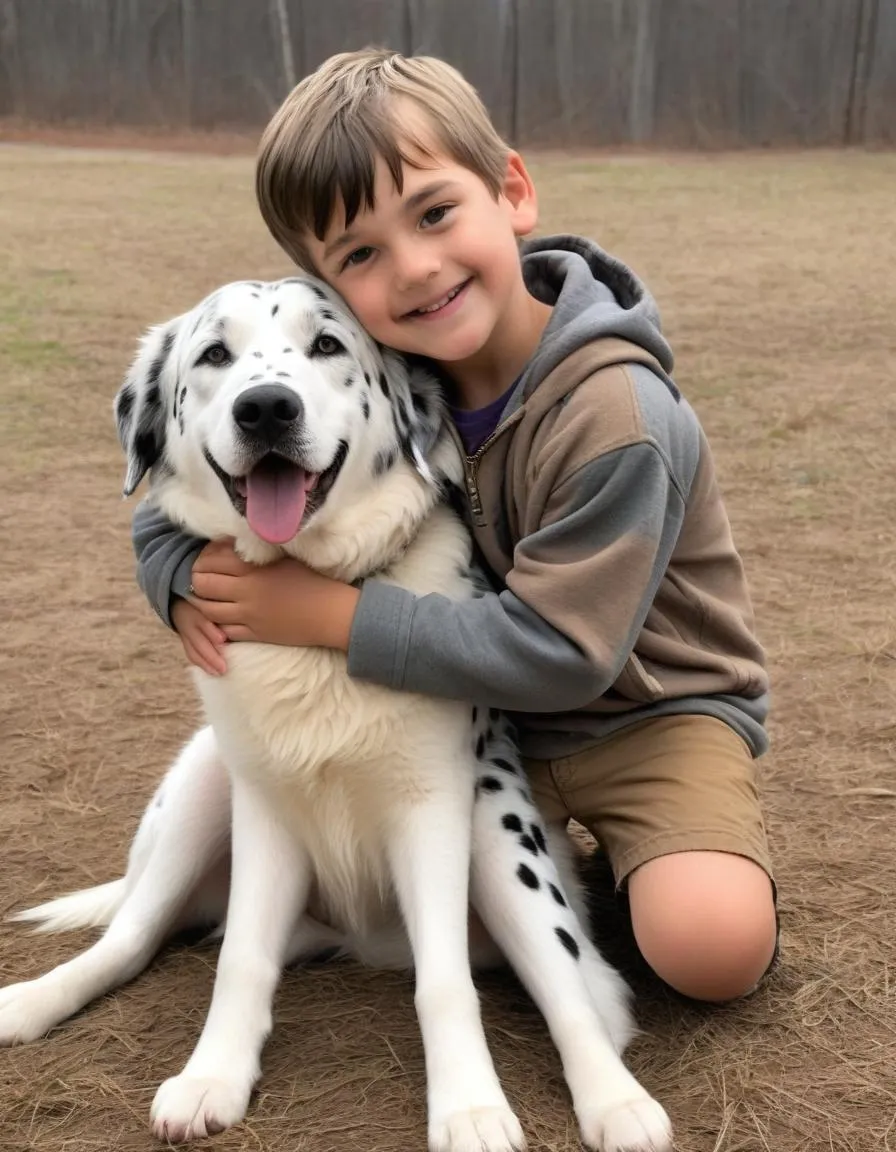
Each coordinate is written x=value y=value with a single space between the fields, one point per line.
x=576 y=598
x=165 y=556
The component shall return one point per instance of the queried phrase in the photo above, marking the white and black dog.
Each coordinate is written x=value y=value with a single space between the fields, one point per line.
x=318 y=813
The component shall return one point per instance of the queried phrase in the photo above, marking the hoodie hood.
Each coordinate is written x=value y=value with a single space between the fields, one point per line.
x=592 y=295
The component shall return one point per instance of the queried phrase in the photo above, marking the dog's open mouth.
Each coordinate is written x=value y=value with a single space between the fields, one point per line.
x=277 y=495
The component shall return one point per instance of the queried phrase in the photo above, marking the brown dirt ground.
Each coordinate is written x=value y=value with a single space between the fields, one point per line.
x=776 y=277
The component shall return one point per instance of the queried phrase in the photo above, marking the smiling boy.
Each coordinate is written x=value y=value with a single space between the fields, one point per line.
x=620 y=630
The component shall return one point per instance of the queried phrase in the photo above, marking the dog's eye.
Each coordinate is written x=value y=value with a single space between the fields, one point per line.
x=217 y=355
x=325 y=345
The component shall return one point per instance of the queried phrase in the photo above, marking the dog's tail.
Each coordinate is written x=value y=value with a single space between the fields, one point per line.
x=89 y=908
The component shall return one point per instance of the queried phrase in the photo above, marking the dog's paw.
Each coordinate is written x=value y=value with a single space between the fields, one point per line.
x=494 y=1129
x=27 y=1012
x=635 y=1125
x=190 y=1107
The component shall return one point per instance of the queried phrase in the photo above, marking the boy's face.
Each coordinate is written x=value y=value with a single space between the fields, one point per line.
x=435 y=269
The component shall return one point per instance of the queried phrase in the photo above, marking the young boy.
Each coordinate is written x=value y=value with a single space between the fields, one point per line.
x=620 y=632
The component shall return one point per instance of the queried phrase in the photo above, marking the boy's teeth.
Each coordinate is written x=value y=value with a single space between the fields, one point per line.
x=441 y=303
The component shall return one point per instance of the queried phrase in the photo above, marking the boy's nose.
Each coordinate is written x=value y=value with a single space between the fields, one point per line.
x=414 y=264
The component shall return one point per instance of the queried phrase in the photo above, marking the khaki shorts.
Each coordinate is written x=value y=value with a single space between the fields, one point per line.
x=673 y=784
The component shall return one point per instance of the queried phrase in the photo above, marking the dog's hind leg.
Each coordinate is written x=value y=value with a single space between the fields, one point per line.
x=172 y=875
x=519 y=893
x=270 y=881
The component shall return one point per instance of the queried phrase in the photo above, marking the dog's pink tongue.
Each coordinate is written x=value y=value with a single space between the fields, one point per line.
x=275 y=501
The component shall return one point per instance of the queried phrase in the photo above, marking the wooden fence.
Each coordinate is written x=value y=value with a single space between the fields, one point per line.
x=669 y=73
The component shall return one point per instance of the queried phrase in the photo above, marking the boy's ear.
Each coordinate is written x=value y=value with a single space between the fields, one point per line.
x=519 y=192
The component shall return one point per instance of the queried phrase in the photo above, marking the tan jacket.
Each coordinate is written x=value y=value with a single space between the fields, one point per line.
x=696 y=641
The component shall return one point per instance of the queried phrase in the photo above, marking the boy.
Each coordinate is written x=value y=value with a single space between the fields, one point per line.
x=620 y=630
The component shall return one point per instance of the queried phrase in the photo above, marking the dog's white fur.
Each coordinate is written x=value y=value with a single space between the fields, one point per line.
x=348 y=808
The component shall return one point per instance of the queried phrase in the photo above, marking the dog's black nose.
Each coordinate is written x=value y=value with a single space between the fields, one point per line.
x=267 y=411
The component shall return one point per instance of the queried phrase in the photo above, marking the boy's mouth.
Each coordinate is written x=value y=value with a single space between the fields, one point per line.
x=441 y=306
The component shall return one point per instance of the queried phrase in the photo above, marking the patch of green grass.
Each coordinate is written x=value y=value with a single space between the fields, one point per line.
x=32 y=364
x=24 y=352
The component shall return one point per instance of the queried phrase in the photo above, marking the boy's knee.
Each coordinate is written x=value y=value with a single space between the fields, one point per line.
x=705 y=922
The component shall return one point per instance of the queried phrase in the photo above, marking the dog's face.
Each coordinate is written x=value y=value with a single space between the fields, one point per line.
x=264 y=399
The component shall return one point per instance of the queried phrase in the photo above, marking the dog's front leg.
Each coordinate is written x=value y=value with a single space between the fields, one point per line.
x=271 y=876
x=430 y=859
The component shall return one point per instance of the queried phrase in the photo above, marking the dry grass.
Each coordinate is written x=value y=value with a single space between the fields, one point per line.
x=776 y=278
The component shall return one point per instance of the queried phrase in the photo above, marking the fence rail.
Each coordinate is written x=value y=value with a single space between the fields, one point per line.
x=670 y=73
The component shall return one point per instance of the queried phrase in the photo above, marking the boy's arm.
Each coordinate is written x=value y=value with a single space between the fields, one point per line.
x=576 y=598
x=165 y=555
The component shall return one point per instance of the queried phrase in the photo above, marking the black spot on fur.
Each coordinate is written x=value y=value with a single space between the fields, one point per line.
x=529 y=844
x=528 y=877
x=419 y=403
x=384 y=461
x=257 y=355
x=568 y=943
x=475 y=714
x=480 y=746
x=557 y=894
x=366 y=377
x=454 y=495
x=288 y=375
x=348 y=381
x=365 y=408
x=512 y=822
x=328 y=315
x=287 y=349
x=504 y=765
x=257 y=376
x=124 y=405
x=493 y=714
x=152 y=396
x=275 y=309
x=491 y=784
x=538 y=837
x=255 y=294
x=155 y=369
x=145 y=449
x=384 y=384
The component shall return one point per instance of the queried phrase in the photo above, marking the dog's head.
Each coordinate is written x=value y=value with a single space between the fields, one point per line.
x=263 y=401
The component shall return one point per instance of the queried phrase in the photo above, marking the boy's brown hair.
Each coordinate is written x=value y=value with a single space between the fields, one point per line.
x=322 y=144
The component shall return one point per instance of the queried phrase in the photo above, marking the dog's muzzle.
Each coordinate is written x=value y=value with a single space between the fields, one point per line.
x=276 y=493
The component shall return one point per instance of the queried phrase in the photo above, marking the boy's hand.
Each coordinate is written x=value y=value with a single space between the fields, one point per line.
x=281 y=603
x=202 y=640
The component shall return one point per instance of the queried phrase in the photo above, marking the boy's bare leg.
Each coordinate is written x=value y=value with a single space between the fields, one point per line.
x=704 y=922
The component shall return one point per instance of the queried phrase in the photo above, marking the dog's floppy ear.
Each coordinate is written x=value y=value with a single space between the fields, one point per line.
x=425 y=412
x=140 y=405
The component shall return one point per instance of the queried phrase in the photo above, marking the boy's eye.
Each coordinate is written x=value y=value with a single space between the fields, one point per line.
x=359 y=256
x=435 y=215
x=216 y=355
